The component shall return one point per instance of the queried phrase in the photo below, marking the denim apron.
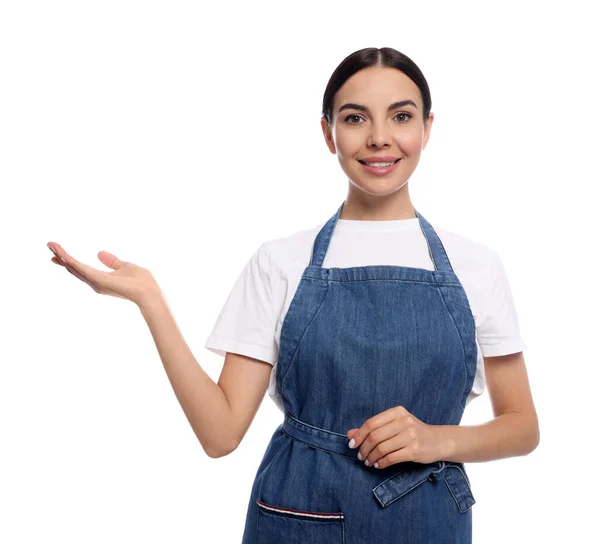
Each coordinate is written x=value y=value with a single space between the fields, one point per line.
x=355 y=342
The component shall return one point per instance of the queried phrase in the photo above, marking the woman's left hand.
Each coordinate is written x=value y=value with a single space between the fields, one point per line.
x=395 y=436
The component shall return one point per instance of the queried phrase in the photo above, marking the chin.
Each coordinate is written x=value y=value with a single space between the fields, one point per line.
x=379 y=189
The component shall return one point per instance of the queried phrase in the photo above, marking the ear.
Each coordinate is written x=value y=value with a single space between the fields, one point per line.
x=327 y=135
x=427 y=130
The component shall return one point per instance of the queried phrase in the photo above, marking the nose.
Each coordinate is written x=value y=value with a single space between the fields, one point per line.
x=379 y=135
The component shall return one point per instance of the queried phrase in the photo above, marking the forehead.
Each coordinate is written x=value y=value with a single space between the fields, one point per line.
x=377 y=86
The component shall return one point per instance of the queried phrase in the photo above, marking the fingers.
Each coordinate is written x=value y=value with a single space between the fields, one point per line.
x=393 y=453
x=383 y=418
x=55 y=250
x=378 y=434
x=73 y=266
x=110 y=260
x=398 y=448
x=76 y=273
x=128 y=281
x=373 y=446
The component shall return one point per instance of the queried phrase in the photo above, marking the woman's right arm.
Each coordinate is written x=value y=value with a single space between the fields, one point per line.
x=219 y=413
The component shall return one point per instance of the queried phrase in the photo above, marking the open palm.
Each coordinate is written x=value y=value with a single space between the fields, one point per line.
x=128 y=280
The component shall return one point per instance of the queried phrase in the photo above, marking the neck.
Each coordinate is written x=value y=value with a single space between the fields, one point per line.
x=364 y=207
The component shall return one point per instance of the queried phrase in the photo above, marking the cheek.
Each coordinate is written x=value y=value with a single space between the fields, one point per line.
x=411 y=143
x=348 y=144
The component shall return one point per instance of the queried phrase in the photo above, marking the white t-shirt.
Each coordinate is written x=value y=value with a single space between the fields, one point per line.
x=251 y=319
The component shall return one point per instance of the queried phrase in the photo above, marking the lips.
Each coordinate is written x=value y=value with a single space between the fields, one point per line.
x=382 y=159
x=380 y=170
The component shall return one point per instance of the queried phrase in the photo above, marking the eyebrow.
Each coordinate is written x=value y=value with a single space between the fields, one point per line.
x=393 y=106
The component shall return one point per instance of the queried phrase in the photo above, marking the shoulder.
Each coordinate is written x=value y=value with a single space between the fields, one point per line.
x=470 y=258
x=477 y=265
x=293 y=250
x=465 y=253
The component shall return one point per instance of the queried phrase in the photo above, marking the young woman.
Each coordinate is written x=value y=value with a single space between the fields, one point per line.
x=371 y=332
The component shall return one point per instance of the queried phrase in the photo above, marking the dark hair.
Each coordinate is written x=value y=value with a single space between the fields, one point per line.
x=373 y=56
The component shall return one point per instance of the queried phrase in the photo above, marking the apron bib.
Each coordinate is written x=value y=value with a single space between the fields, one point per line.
x=355 y=342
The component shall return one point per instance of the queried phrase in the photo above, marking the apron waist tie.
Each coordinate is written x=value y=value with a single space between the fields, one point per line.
x=409 y=476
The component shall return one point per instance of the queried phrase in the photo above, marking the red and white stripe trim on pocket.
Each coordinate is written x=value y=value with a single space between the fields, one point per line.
x=299 y=513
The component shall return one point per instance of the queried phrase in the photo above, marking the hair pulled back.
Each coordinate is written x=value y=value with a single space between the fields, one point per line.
x=374 y=56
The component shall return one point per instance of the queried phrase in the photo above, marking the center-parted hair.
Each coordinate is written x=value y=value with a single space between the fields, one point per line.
x=374 y=56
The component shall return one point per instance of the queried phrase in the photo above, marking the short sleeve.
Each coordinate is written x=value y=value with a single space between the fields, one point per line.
x=246 y=324
x=498 y=333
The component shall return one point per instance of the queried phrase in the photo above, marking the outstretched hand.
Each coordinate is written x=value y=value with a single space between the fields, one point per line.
x=128 y=280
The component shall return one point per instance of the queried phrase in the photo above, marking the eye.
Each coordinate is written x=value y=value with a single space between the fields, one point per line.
x=355 y=116
x=404 y=113
x=352 y=115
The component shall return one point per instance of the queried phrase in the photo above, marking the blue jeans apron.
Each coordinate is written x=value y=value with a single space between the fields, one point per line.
x=355 y=342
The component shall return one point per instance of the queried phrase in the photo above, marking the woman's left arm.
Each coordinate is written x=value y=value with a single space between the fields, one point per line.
x=514 y=431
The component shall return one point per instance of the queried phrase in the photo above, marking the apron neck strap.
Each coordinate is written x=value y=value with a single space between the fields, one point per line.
x=437 y=253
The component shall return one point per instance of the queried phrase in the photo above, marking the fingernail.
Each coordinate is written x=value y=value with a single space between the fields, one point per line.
x=367 y=462
x=376 y=465
x=360 y=456
x=352 y=443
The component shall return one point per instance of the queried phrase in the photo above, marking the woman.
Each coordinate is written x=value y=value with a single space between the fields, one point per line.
x=371 y=332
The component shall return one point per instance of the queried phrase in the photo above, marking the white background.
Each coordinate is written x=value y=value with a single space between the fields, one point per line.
x=180 y=137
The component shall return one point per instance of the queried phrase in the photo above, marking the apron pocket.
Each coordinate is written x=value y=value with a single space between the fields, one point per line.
x=278 y=524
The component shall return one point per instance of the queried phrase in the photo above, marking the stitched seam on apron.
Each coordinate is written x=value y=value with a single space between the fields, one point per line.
x=473 y=327
x=401 y=469
x=402 y=494
x=304 y=424
x=271 y=508
x=462 y=343
x=464 y=474
x=433 y=284
x=263 y=482
x=462 y=510
x=302 y=335
x=318 y=448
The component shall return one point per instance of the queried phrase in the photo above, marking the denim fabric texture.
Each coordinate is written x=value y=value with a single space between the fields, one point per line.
x=355 y=342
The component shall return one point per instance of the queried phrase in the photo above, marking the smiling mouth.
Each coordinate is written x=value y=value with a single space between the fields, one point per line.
x=363 y=162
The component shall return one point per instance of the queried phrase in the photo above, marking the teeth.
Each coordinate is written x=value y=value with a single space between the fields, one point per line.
x=379 y=164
